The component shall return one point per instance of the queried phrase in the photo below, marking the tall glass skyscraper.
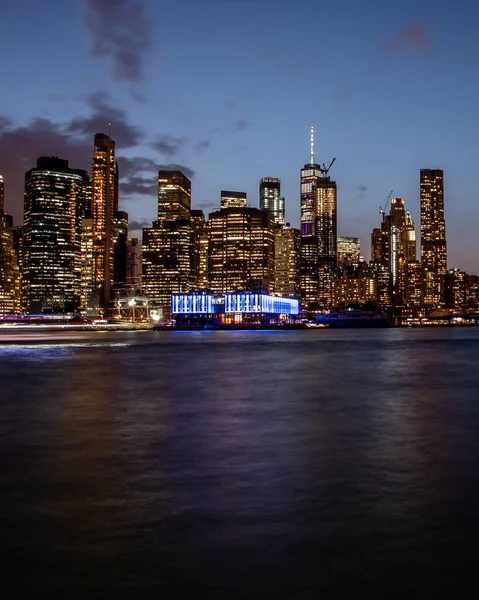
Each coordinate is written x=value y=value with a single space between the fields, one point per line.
x=270 y=198
x=52 y=235
x=174 y=196
x=433 y=236
x=168 y=258
x=349 y=251
x=9 y=268
x=105 y=205
x=318 y=232
x=240 y=249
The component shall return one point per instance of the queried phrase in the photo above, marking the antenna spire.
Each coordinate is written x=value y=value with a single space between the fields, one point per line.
x=312 y=145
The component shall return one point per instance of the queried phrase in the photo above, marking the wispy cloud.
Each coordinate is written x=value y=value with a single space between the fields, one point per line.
x=241 y=125
x=202 y=146
x=120 y=31
x=138 y=176
x=168 y=145
x=362 y=189
x=415 y=37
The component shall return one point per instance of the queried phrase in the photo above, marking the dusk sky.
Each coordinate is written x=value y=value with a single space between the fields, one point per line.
x=227 y=89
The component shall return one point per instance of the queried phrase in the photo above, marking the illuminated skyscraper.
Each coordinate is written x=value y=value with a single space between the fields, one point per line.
x=413 y=283
x=51 y=236
x=376 y=245
x=287 y=261
x=200 y=228
x=10 y=283
x=240 y=249
x=105 y=204
x=318 y=233
x=409 y=238
x=233 y=199
x=174 y=196
x=270 y=198
x=397 y=224
x=87 y=266
x=456 y=288
x=167 y=261
x=433 y=236
x=168 y=252
x=349 y=251
x=311 y=175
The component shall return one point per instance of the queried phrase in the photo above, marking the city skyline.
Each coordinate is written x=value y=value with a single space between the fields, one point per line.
x=383 y=104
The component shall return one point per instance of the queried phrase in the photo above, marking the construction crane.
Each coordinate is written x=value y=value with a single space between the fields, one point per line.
x=324 y=169
x=382 y=211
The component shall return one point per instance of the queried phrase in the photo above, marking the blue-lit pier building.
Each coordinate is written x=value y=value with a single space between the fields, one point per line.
x=239 y=308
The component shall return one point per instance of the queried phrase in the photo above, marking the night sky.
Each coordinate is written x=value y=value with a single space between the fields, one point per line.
x=227 y=90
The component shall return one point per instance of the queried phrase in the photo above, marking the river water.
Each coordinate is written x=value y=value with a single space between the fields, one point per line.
x=243 y=464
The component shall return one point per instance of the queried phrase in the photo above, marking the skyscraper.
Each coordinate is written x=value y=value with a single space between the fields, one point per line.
x=409 y=238
x=168 y=254
x=318 y=232
x=10 y=284
x=167 y=261
x=433 y=236
x=349 y=250
x=240 y=249
x=413 y=283
x=376 y=245
x=51 y=236
x=88 y=300
x=311 y=175
x=87 y=189
x=174 y=196
x=397 y=222
x=233 y=199
x=105 y=204
x=287 y=257
x=200 y=228
x=270 y=198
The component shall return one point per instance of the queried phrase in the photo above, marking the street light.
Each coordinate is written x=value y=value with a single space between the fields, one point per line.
x=132 y=303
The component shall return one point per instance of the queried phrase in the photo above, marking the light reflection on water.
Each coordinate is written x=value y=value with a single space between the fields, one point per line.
x=266 y=463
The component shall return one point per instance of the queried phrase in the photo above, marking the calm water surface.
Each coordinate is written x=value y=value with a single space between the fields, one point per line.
x=240 y=464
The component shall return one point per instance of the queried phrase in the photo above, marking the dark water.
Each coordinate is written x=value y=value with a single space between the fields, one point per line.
x=240 y=464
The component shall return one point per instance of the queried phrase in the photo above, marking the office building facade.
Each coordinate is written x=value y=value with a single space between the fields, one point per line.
x=433 y=236
x=10 y=277
x=349 y=251
x=233 y=199
x=168 y=261
x=200 y=229
x=287 y=260
x=52 y=237
x=105 y=205
x=240 y=249
x=174 y=196
x=270 y=199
